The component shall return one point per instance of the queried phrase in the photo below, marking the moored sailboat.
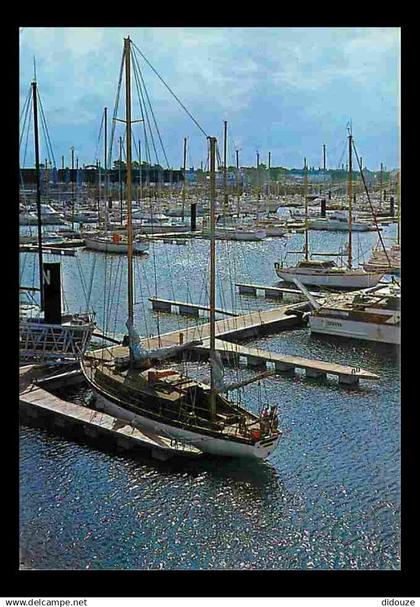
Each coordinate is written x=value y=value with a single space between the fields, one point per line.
x=45 y=335
x=129 y=383
x=327 y=273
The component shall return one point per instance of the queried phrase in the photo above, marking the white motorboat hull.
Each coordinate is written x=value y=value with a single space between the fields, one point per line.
x=208 y=444
x=383 y=333
x=115 y=247
x=232 y=234
x=249 y=235
x=274 y=231
x=346 y=280
x=330 y=224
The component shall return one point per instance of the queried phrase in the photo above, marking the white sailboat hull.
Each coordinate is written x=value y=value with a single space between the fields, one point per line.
x=109 y=246
x=383 y=333
x=207 y=444
x=346 y=280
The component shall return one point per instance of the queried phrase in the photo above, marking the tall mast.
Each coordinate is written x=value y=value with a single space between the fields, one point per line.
x=140 y=189
x=185 y=178
x=225 y=195
x=212 y=273
x=269 y=174
x=105 y=149
x=258 y=176
x=127 y=51
x=305 y=195
x=38 y=189
x=120 y=181
x=381 y=185
x=72 y=187
x=350 y=194
x=237 y=179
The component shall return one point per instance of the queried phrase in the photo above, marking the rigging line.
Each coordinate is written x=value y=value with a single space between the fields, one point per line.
x=26 y=108
x=147 y=147
x=140 y=93
x=151 y=109
x=91 y=282
x=170 y=90
x=113 y=282
x=370 y=203
x=117 y=306
x=116 y=104
x=99 y=137
x=25 y=102
x=43 y=119
x=82 y=279
x=141 y=301
x=27 y=137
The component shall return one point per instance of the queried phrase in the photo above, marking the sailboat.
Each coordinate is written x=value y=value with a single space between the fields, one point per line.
x=45 y=335
x=326 y=273
x=132 y=387
x=115 y=242
x=388 y=259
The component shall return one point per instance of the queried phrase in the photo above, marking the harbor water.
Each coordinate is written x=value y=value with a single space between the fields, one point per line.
x=328 y=497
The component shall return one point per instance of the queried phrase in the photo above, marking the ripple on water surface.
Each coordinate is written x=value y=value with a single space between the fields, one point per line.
x=329 y=497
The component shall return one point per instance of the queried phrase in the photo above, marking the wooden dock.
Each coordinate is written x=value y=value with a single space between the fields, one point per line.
x=166 y=305
x=285 y=363
x=269 y=291
x=247 y=325
x=29 y=248
x=36 y=404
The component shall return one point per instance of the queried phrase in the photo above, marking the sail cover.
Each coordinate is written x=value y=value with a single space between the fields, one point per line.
x=218 y=372
x=140 y=353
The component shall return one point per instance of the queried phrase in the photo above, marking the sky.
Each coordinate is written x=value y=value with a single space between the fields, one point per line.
x=286 y=91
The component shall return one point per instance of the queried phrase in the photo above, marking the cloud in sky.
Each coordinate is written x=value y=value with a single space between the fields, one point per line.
x=284 y=90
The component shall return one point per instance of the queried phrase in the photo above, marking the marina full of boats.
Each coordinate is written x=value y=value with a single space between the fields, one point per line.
x=131 y=380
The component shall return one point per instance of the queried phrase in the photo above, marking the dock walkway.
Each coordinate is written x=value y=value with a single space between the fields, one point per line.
x=37 y=403
x=286 y=363
x=269 y=291
x=165 y=305
x=247 y=325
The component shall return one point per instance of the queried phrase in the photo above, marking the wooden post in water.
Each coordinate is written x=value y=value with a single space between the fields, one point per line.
x=212 y=273
x=38 y=191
